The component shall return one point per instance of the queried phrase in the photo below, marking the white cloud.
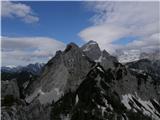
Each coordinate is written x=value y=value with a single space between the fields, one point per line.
x=150 y=42
x=104 y=34
x=115 y=20
x=25 y=50
x=19 y=10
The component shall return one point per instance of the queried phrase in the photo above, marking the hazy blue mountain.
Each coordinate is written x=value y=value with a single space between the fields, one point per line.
x=33 y=68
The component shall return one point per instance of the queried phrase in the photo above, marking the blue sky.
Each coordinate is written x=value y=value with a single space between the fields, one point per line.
x=34 y=31
x=125 y=40
x=60 y=20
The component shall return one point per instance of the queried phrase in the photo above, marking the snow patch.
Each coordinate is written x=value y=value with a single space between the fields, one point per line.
x=11 y=66
x=156 y=101
x=92 y=43
x=77 y=99
x=129 y=56
x=41 y=92
x=125 y=100
x=100 y=69
x=57 y=91
x=99 y=59
x=88 y=46
x=86 y=49
x=147 y=107
x=103 y=110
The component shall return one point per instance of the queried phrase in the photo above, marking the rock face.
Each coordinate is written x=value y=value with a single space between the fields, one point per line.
x=88 y=84
x=96 y=99
x=9 y=88
x=61 y=74
x=92 y=50
x=147 y=71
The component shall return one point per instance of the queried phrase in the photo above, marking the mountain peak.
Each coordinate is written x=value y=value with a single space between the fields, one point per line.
x=70 y=46
x=92 y=42
x=92 y=50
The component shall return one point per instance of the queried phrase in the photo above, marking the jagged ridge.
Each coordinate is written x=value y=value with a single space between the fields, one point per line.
x=79 y=84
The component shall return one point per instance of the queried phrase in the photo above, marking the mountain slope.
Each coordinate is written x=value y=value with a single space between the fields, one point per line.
x=96 y=100
x=79 y=84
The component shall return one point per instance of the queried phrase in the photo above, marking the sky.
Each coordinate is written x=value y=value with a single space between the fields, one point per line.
x=33 y=31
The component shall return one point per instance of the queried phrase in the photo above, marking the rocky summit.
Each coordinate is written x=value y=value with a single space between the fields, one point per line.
x=85 y=83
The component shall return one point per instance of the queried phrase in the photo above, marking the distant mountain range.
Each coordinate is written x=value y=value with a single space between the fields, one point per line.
x=32 y=68
x=85 y=83
x=134 y=55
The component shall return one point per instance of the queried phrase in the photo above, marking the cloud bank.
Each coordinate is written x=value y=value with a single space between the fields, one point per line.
x=115 y=20
x=25 y=50
x=18 y=10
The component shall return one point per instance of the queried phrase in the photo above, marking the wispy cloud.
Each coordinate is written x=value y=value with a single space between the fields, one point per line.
x=24 y=50
x=115 y=20
x=16 y=9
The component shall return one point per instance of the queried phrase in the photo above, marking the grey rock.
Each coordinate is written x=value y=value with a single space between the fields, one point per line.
x=9 y=88
x=89 y=84
x=62 y=73
x=92 y=50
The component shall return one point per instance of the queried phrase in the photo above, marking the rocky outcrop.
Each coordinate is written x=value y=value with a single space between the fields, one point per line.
x=147 y=73
x=61 y=74
x=9 y=88
x=92 y=50
x=87 y=84
x=96 y=99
